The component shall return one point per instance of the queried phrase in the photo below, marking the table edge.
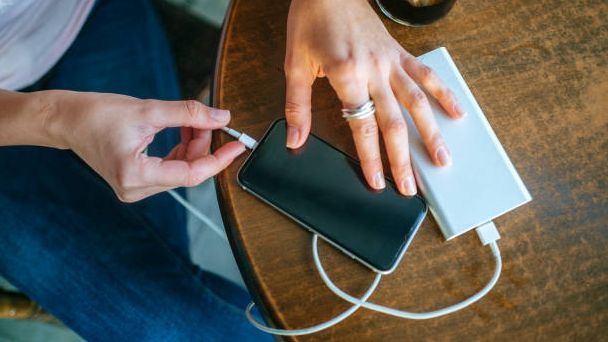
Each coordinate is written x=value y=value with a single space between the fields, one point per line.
x=242 y=261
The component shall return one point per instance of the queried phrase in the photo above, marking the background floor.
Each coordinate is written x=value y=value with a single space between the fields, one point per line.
x=193 y=28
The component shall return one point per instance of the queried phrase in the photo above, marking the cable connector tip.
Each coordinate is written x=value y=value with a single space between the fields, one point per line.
x=248 y=141
x=487 y=233
x=243 y=138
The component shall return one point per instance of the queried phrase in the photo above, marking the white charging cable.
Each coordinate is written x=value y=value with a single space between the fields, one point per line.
x=246 y=140
x=484 y=231
x=199 y=215
x=488 y=234
x=318 y=327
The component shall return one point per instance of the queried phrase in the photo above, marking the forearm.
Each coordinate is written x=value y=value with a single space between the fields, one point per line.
x=25 y=119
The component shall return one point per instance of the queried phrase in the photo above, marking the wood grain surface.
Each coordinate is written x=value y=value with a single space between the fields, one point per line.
x=539 y=70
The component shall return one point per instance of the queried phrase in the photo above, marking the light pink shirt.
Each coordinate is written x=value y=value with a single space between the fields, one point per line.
x=34 y=34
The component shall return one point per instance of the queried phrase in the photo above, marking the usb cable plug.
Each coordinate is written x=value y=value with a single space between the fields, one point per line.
x=245 y=139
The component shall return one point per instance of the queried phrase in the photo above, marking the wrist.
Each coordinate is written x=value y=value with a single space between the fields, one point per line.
x=24 y=118
x=52 y=124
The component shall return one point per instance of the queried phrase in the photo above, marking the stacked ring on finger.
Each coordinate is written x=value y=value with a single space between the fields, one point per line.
x=362 y=112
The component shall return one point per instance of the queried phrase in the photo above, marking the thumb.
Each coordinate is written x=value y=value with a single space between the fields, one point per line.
x=190 y=113
x=297 y=111
x=157 y=172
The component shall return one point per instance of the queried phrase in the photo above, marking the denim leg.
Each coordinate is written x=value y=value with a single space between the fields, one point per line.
x=97 y=264
x=109 y=270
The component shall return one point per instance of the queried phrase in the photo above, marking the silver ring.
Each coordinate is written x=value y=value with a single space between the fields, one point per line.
x=362 y=112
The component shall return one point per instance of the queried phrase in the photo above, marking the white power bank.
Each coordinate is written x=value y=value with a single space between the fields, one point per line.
x=481 y=183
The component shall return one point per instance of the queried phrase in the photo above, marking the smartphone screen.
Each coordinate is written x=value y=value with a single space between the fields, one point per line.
x=323 y=189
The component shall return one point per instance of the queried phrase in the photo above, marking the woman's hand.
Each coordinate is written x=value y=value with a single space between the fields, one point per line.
x=110 y=133
x=345 y=41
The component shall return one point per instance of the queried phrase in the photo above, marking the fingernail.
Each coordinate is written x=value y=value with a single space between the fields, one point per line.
x=458 y=110
x=220 y=115
x=409 y=185
x=443 y=156
x=379 y=180
x=293 y=136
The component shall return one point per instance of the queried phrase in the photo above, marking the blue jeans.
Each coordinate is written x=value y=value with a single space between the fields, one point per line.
x=110 y=270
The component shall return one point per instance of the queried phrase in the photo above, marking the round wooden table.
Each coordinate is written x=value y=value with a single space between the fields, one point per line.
x=539 y=70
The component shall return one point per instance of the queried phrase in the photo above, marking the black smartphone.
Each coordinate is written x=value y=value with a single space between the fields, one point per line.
x=323 y=189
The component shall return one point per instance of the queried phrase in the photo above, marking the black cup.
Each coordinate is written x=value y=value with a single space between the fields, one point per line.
x=406 y=13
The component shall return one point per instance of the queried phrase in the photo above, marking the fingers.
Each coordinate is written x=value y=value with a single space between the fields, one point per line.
x=199 y=145
x=433 y=84
x=176 y=173
x=416 y=102
x=188 y=113
x=146 y=176
x=185 y=134
x=178 y=152
x=365 y=135
x=297 y=110
x=193 y=145
x=197 y=148
x=353 y=93
x=394 y=131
